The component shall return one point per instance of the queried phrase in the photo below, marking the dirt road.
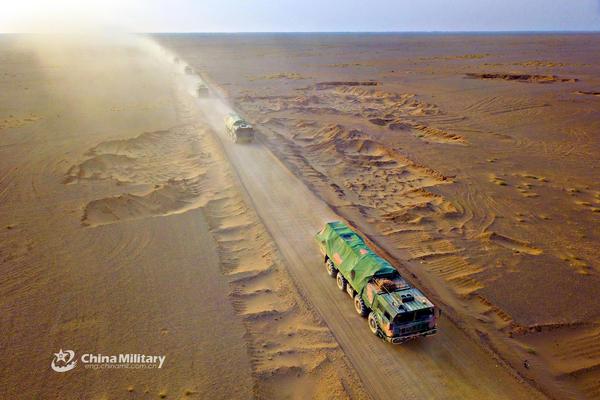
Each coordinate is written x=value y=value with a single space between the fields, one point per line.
x=445 y=366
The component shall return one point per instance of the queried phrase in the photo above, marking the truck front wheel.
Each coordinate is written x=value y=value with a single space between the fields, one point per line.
x=360 y=306
x=331 y=271
x=341 y=282
x=373 y=324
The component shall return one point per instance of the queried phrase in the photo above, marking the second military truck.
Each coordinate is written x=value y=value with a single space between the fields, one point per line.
x=396 y=311
x=238 y=129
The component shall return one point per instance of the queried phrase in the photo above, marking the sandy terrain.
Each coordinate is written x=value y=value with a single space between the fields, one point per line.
x=448 y=365
x=471 y=160
x=123 y=230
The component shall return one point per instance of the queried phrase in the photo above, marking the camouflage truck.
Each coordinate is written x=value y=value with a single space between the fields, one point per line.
x=238 y=129
x=396 y=311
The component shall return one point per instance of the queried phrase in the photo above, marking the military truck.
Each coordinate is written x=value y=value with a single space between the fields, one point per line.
x=202 y=90
x=395 y=311
x=238 y=129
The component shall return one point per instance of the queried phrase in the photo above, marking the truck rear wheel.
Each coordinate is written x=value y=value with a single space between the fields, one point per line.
x=331 y=271
x=373 y=324
x=360 y=306
x=341 y=282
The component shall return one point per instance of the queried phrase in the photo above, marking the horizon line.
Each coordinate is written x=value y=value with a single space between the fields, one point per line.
x=327 y=32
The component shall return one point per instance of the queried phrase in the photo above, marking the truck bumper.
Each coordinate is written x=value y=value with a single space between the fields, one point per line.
x=402 y=339
x=242 y=139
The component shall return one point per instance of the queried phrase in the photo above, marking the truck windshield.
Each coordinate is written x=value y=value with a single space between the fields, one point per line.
x=423 y=314
x=404 y=317
x=411 y=316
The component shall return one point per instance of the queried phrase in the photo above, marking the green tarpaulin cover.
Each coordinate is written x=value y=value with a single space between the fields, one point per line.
x=357 y=262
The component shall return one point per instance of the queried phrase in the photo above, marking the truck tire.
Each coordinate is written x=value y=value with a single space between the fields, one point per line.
x=373 y=327
x=331 y=271
x=341 y=282
x=350 y=290
x=360 y=306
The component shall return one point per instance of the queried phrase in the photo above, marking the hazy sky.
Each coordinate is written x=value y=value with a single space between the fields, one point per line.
x=301 y=15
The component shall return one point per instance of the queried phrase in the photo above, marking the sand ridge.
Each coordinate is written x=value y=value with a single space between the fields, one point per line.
x=160 y=161
x=404 y=112
x=528 y=78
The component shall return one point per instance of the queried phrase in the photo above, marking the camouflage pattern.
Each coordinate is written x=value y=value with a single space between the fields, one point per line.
x=350 y=255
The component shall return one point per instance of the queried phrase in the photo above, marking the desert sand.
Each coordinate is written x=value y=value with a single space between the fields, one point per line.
x=123 y=229
x=130 y=223
x=469 y=160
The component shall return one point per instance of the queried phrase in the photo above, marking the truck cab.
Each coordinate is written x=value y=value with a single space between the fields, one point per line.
x=398 y=312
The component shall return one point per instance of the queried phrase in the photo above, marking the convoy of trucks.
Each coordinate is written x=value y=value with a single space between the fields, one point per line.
x=239 y=130
x=395 y=311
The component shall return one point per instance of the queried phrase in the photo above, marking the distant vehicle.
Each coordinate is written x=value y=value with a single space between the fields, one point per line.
x=188 y=70
x=238 y=129
x=202 y=90
x=396 y=311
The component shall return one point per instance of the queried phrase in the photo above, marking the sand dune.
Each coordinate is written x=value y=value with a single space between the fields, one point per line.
x=485 y=189
x=521 y=77
x=588 y=92
x=513 y=244
x=325 y=85
x=161 y=161
x=171 y=198
x=404 y=113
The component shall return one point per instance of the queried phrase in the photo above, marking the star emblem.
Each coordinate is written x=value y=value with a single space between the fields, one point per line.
x=60 y=356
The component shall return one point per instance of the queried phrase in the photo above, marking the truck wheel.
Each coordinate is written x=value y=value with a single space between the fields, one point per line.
x=373 y=323
x=331 y=271
x=359 y=306
x=341 y=282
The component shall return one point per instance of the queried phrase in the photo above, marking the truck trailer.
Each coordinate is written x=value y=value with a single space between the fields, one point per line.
x=395 y=311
